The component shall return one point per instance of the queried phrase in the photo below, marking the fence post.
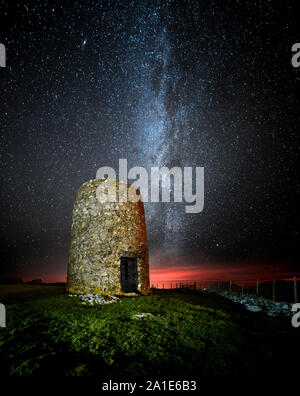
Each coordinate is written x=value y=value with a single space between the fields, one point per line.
x=295 y=290
x=230 y=287
x=242 y=288
x=257 y=286
x=273 y=290
x=218 y=285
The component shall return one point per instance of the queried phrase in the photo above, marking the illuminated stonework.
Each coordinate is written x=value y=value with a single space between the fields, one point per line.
x=109 y=251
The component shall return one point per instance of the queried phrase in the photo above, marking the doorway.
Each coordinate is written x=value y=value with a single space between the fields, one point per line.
x=129 y=274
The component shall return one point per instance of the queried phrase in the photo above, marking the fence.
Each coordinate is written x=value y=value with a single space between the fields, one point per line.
x=277 y=289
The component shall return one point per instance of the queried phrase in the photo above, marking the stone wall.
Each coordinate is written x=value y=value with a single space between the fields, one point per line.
x=101 y=234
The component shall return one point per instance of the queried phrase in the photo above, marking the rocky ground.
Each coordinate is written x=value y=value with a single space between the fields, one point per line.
x=259 y=304
x=251 y=302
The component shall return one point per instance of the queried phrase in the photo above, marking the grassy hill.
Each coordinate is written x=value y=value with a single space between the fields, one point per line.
x=186 y=334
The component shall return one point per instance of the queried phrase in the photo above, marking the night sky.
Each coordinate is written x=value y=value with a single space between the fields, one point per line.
x=161 y=83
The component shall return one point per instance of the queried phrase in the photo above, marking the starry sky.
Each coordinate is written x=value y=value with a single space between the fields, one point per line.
x=161 y=83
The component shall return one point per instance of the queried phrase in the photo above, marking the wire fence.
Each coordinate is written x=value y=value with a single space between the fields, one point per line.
x=284 y=289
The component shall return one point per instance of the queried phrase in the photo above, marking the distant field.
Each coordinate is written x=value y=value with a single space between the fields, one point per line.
x=187 y=333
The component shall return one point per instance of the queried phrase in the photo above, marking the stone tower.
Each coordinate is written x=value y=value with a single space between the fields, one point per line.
x=109 y=251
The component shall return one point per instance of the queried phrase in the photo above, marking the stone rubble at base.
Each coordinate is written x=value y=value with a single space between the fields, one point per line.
x=95 y=299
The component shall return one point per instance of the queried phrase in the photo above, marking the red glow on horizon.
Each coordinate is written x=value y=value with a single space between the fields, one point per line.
x=221 y=273
x=172 y=270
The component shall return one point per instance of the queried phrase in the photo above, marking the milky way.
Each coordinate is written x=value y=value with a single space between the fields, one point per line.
x=161 y=83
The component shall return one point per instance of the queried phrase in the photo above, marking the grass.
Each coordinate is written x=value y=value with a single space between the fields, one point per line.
x=187 y=333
